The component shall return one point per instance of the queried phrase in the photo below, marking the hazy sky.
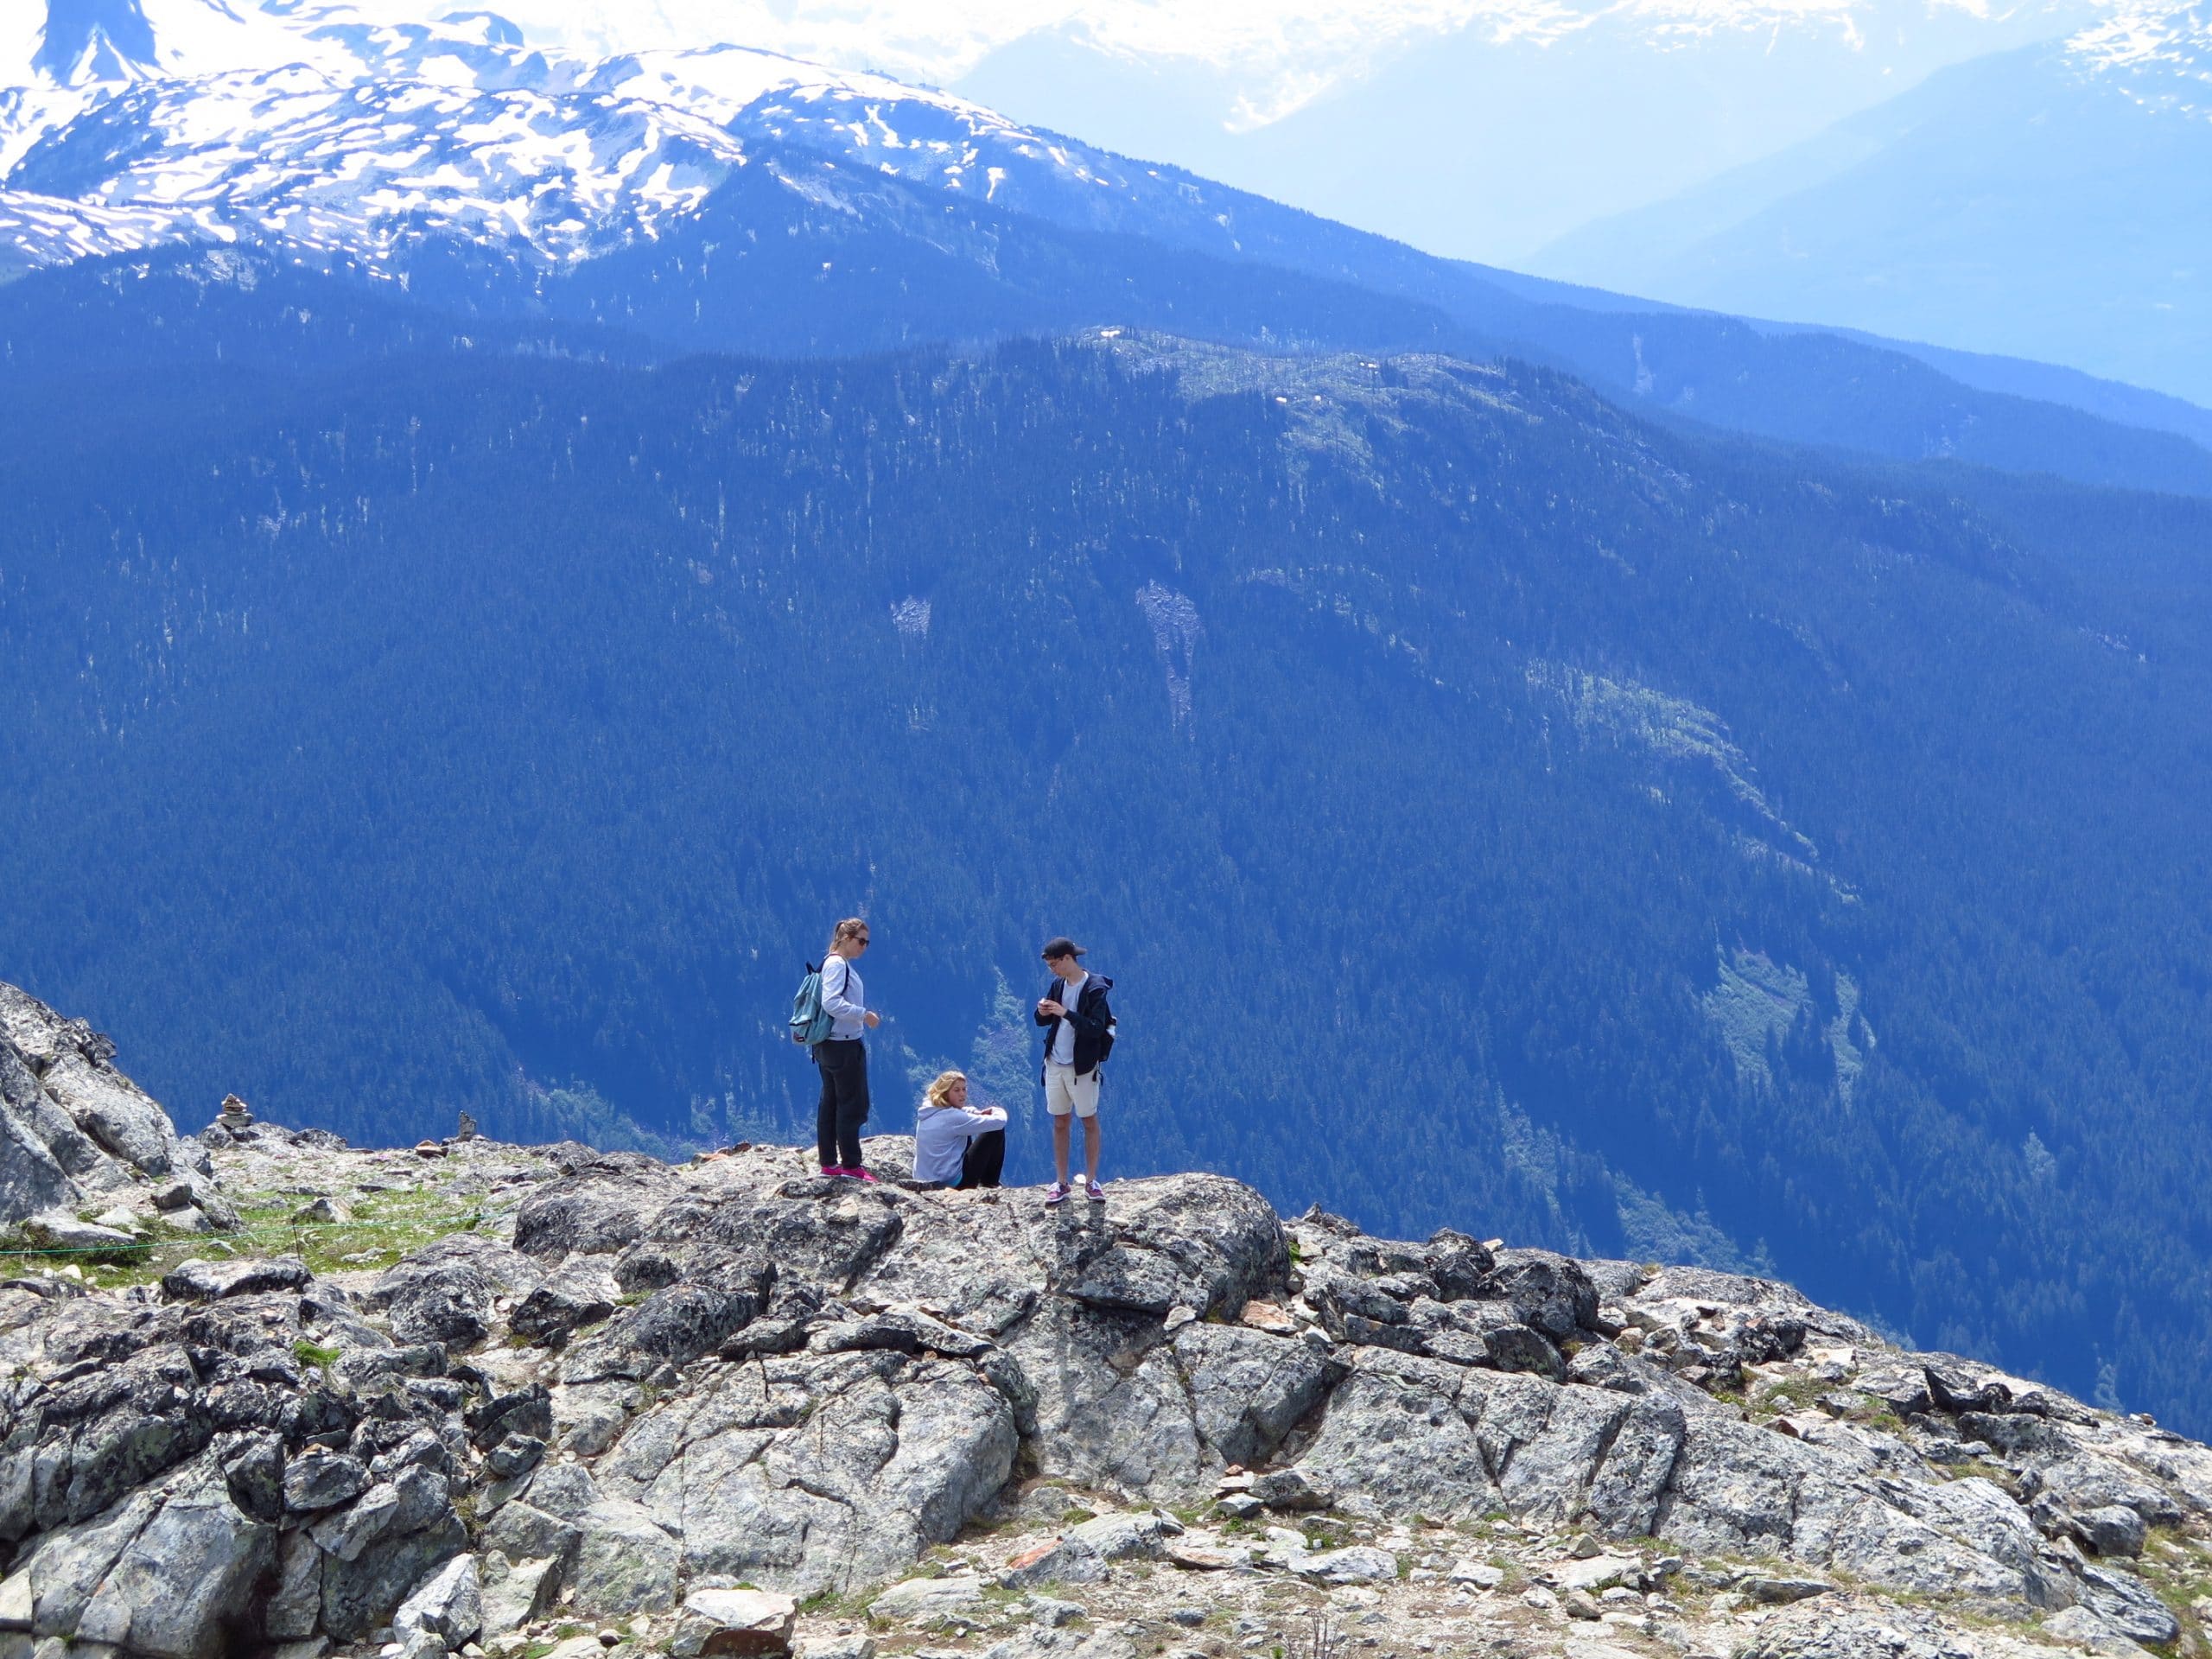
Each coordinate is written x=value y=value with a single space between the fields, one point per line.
x=1280 y=54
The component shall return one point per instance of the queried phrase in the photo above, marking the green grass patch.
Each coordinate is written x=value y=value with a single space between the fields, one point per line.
x=384 y=1228
x=2178 y=1570
x=833 y=1604
x=1782 y=1398
x=313 y=1356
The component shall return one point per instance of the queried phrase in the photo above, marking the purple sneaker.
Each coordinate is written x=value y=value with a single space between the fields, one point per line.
x=857 y=1173
x=1055 y=1194
x=1097 y=1193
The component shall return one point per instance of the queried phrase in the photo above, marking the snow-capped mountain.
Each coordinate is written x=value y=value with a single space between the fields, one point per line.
x=728 y=199
x=307 y=125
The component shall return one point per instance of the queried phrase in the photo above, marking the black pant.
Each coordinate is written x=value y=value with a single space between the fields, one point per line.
x=981 y=1164
x=844 y=1101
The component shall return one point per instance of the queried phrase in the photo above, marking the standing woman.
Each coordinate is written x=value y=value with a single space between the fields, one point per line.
x=842 y=1056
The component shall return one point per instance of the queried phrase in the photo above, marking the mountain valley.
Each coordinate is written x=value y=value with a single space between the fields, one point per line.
x=1730 y=803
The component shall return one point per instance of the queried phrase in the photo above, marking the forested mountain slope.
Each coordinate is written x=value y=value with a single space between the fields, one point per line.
x=1493 y=809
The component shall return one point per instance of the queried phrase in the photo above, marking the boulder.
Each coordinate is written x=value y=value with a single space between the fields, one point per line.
x=72 y=1126
x=2113 y=1529
x=526 y=1551
x=444 y=1294
x=1392 y=1439
x=1781 y=1591
x=134 y=1132
x=208 y=1282
x=1290 y=1490
x=64 y=1233
x=515 y=1455
x=32 y=1176
x=361 y=1593
x=742 y=1622
x=1593 y=1574
x=1360 y=1564
x=1249 y=1388
x=580 y=1292
x=624 y=1563
x=448 y=1605
x=169 y=1573
x=927 y=1601
x=323 y=1481
x=1549 y=1294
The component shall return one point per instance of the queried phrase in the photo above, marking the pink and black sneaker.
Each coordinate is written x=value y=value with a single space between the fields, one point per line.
x=1055 y=1194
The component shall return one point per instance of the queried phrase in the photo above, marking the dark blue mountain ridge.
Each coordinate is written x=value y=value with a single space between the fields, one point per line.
x=801 y=253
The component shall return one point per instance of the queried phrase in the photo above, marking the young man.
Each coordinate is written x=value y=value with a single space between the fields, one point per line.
x=1078 y=1027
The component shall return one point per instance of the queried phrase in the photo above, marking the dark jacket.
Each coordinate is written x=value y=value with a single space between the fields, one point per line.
x=1088 y=1014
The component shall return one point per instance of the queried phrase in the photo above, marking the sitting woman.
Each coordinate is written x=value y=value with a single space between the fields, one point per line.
x=957 y=1144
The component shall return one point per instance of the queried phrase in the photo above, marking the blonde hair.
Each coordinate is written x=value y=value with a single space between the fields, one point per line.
x=851 y=927
x=942 y=1089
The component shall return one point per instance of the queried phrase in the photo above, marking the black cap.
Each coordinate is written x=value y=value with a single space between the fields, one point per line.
x=1059 y=948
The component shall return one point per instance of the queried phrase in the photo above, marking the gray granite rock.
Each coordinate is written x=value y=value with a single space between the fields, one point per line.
x=2111 y=1529
x=624 y=1561
x=72 y=1126
x=206 y=1282
x=1247 y=1388
x=743 y=1624
x=926 y=1601
x=685 y=1380
x=444 y=1294
x=323 y=1481
x=165 y=1573
x=449 y=1604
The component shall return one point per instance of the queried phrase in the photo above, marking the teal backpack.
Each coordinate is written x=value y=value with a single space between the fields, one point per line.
x=811 y=1021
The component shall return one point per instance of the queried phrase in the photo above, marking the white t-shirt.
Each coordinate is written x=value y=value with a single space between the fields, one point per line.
x=1063 y=1034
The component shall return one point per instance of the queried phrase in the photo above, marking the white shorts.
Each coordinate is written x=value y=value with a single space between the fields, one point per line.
x=1066 y=1092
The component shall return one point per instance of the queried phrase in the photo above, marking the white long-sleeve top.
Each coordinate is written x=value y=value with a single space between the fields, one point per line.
x=941 y=1138
x=843 y=998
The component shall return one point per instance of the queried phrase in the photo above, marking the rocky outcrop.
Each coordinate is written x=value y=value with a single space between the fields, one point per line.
x=616 y=1390
x=76 y=1133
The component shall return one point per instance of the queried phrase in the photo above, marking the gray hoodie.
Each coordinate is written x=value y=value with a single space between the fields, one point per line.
x=941 y=1138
